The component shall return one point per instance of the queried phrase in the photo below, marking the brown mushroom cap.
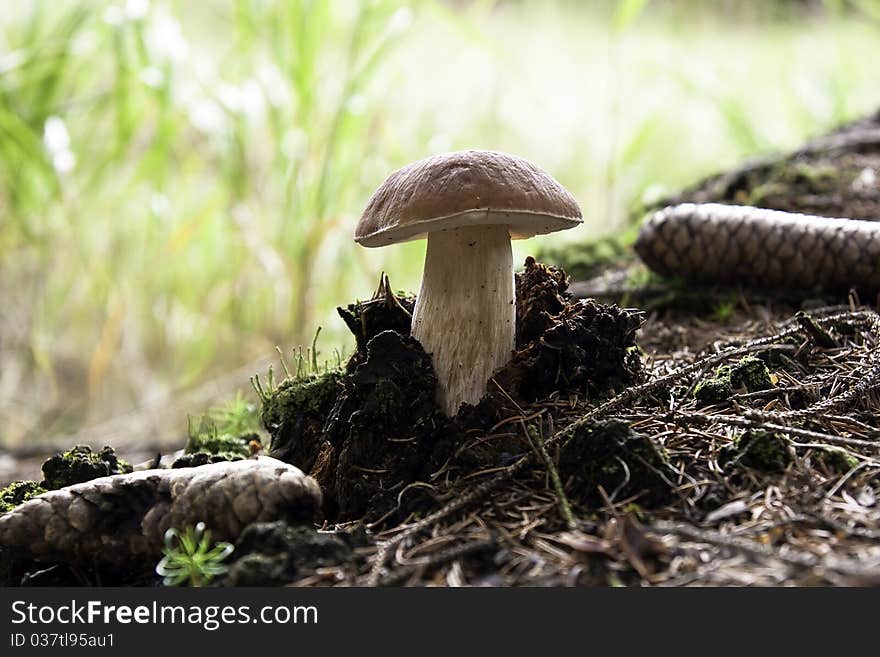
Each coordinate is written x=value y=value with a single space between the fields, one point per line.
x=466 y=188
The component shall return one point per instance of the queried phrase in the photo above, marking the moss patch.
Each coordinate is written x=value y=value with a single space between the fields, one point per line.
x=206 y=444
x=611 y=455
x=586 y=259
x=275 y=553
x=760 y=450
x=18 y=492
x=224 y=433
x=294 y=414
x=716 y=389
x=750 y=374
x=204 y=458
x=210 y=442
x=306 y=395
x=835 y=461
x=80 y=464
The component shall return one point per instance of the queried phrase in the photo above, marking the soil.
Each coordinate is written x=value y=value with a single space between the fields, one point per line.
x=370 y=433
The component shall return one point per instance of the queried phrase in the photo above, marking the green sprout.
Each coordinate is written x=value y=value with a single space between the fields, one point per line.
x=190 y=558
x=308 y=368
x=238 y=416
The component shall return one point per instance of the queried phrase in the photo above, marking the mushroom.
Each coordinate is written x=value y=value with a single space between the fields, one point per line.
x=469 y=204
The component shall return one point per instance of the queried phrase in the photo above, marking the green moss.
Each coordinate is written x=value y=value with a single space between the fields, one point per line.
x=760 y=450
x=789 y=178
x=611 y=455
x=224 y=433
x=835 y=460
x=80 y=464
x=203 y=458
x=211 y=442
x=295 y=413
x=716 y=389
x=294 y=397
x=18 y=492
x=237 y=417
x=749 y=374
x=583 y=260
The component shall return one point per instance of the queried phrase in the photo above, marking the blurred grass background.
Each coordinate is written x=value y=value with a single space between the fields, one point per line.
x=179 y=181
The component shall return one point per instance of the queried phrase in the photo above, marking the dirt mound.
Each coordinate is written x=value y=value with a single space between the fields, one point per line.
x=371 y=432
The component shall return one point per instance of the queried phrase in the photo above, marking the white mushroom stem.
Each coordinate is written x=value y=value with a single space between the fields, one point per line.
x=465 y=314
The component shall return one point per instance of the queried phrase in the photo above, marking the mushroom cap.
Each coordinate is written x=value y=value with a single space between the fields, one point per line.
x=466 y=188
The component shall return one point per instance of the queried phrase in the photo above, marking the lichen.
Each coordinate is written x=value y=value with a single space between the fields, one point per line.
x=758 y=449
x=611 y=455
x=18 y=492
x=80 y=464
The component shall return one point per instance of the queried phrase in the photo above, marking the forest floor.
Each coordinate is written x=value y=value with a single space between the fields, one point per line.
x=766 y=476
x=742 y=448
x=769 y=482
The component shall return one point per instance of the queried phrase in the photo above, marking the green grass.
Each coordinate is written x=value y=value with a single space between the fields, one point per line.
x=179 y=181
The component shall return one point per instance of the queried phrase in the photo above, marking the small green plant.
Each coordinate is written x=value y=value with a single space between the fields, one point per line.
x=238 y=416
x=723 y=311
x=190 y=558
x=204 y=436
x=225 y=430
x=308 y=368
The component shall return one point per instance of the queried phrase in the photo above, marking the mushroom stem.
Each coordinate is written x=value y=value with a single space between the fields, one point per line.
x=465 y=314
